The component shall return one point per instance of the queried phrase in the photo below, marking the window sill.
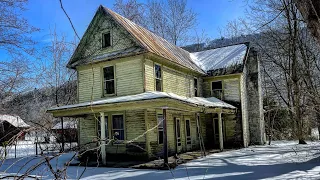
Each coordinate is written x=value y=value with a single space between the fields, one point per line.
x=108 y=95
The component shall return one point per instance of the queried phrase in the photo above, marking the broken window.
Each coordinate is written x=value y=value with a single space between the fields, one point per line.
x=118 y=127
x=106 y=40
x=217 y=89
x=109 y=81
x=160 y=128
x=158 y=77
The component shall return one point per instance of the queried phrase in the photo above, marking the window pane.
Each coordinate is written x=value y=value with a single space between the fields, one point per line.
x=158 y=85
x=109 y=89
x=188 y=127
x=157 y=71
x=106 y=40
x=108 y=73
x=195 y=87
x=117 y=122
x=216 y=85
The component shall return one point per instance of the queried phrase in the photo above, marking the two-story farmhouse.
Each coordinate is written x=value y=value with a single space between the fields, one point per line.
x=144 y=93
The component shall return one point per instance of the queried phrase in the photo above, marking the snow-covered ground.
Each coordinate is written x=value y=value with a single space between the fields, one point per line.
x=282 y=160
x=28 y=148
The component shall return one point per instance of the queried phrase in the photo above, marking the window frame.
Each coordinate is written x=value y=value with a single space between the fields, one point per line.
x=158 y=129
x=221 y=90
x=104 y=94
x=124 y=126
x=103 y=40
x=156 y=78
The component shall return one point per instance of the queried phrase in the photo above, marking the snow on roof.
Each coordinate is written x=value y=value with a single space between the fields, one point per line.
x=66 y=125
x=220 y=58
x=206 y=102
x=16 y=121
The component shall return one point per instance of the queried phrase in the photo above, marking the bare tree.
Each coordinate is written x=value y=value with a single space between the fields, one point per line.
x=170 y=19
x=131 y=9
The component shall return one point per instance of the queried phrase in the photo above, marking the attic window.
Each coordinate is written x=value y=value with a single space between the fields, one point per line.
x=106 y=40
x=216 y=90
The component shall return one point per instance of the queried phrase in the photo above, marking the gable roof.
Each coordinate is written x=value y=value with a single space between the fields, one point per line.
x=220 y=58
x=149 y=42
x=16 y=121
x=155 y=44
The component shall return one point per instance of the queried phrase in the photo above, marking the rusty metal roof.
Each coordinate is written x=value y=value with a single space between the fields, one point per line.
x=156 y=44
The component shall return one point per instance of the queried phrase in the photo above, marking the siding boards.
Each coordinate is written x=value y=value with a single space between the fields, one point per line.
x=129 y=79
x=87 y=131
x=135 y=125
x=89 y=84
x=231 y=90
x=149 y=75
x=176 y=82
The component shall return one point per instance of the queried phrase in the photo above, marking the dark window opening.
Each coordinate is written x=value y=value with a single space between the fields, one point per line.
x=158 y=77
x=188 y=132
x=109 y=81
x=195 y=87
x=118 y=127
x=106 y=40
x=217 y=89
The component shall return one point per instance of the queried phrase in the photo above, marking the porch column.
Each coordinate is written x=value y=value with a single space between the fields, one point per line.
x=220 y=131
x=103 y=138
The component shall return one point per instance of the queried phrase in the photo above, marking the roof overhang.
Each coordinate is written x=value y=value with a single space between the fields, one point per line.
x=159 y=102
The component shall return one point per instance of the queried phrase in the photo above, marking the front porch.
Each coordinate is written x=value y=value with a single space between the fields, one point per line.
x=143 y=127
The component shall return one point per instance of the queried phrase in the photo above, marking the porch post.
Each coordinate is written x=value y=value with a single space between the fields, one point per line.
x=103 y=138
x=220 y=131
x=165 y=140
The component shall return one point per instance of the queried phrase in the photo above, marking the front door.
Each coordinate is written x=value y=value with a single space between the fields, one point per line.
x=178 y=135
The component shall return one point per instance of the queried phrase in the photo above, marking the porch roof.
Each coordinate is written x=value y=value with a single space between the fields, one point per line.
x=211 y=102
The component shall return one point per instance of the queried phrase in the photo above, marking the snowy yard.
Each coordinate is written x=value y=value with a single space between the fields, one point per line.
x=28 y=148
x=282 y=160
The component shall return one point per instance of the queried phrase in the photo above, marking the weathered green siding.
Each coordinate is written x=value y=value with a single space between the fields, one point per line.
x=91 y=44
x=230 y=87
x=173 y=81
x=129 y=78
x=87 y=132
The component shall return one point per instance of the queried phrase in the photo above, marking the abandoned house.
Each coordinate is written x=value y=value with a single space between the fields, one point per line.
x=139 y=94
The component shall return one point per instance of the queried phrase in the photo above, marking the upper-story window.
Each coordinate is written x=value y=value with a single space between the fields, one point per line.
x=158 y=77
x=195 y=87
x=217 y=89
x=109 y=80
x=106 y=40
